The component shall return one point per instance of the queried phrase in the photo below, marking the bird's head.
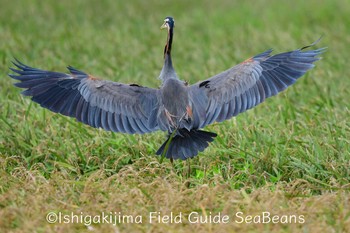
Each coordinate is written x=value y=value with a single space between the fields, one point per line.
x=169 y=23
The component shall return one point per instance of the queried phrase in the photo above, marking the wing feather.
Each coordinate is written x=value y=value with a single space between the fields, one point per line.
x=99 y=103
x=248 y=84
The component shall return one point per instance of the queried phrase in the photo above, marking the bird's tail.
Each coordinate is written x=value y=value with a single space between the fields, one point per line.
x=186 y=144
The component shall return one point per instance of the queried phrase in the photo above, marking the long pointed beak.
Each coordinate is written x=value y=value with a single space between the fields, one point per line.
x=164 y=25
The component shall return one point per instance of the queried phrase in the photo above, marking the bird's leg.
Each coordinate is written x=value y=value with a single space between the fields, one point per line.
x=169 y=116
x=189 y=168
x=188 y=182
x=188 y=115
x=167 y=146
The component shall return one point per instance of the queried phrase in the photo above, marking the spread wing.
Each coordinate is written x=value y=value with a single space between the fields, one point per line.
x=248 y=84
x=110 y=105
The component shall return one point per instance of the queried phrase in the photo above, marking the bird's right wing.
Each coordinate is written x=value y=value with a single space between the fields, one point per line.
x=110 y=105
x=246 y=85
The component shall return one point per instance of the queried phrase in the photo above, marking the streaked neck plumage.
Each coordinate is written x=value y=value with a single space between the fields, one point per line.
x=168 y=69
x=169 y=42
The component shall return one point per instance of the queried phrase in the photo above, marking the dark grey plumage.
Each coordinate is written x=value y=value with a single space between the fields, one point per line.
x=177 y=108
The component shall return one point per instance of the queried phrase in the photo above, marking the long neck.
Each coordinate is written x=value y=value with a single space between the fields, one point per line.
x=168 y=71
x=167 y=48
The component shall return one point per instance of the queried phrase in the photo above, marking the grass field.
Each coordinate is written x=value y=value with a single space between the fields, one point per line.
x=290 y=156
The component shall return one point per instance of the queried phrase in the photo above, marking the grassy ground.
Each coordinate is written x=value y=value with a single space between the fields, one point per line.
x=289 y=156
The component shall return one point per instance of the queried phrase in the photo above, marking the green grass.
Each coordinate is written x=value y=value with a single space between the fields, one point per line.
x=289 y=155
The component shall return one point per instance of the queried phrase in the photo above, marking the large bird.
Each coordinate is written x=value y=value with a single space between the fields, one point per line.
x=176 y=107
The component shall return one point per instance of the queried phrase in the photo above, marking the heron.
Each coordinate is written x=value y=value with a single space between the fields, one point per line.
x=177 y=108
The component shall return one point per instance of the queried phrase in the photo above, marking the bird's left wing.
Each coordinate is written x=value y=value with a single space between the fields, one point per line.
x=110 y=105
x=246 y=85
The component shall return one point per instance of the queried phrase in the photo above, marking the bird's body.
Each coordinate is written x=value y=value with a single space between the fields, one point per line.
x=180 y=109
x=175 y=112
